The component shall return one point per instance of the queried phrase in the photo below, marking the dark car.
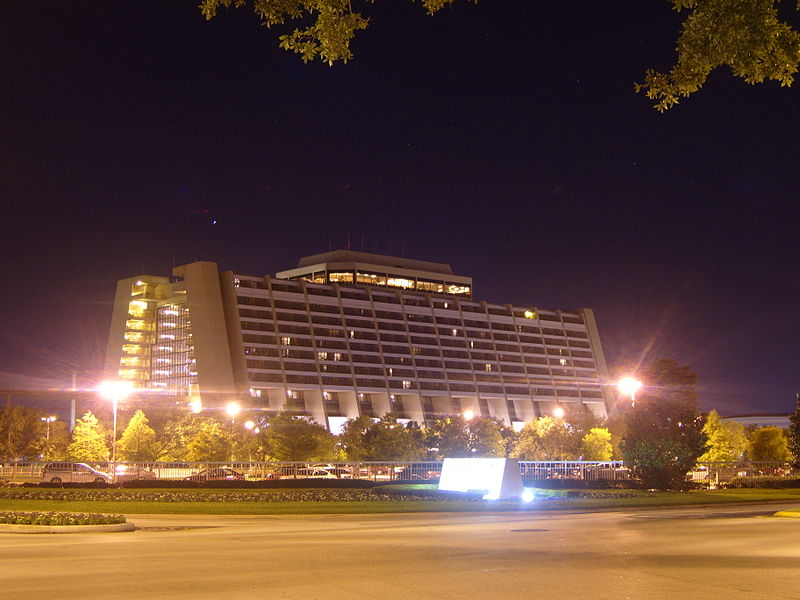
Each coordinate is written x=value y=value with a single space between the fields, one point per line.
x=216 y=474
x=133 y=473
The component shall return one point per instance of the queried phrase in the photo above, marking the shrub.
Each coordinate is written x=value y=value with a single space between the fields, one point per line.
x=14 y=517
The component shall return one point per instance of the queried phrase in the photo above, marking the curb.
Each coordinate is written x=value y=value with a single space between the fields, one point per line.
x=11 y=528
x=787 y=514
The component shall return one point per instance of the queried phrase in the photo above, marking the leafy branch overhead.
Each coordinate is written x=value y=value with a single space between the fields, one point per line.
x=326 y=26
x=746 y=35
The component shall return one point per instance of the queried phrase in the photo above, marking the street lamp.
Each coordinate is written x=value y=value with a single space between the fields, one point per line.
x=629 y=386
x=115 y=391
x=469 y=415
x=232 y=409
x=558 y=412
x=48 y=420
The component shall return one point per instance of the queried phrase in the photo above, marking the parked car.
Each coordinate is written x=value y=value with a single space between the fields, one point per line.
x=216 y=474
x=68 y=472
x=133 y=473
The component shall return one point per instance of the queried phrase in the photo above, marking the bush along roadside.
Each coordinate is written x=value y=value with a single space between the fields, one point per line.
x=15 y=517
x=765 y=481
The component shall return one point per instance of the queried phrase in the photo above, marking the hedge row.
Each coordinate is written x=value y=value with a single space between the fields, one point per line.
x=122 y=495
x=14 y=517
x=764 y=481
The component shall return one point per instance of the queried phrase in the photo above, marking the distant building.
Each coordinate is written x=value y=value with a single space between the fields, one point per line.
x=770 y=420
x=348 y=333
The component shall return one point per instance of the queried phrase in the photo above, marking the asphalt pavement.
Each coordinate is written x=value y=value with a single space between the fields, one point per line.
x=727 y=553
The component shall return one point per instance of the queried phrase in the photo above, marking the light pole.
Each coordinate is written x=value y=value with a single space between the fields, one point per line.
x=48 y=420
x=115 y=391
x=629 y=386
x=233 y=409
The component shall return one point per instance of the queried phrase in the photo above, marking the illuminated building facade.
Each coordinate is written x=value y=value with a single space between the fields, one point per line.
x=348 y=333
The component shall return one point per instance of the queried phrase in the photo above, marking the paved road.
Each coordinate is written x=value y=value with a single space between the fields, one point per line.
x=683 y=554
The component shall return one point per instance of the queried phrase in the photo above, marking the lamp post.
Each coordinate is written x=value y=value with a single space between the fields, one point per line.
x=48 y=420
x=115 y=391
x=629 y=386
x=232 y=409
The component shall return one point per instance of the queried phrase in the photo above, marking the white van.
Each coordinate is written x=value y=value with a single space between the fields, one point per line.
x=67 y=472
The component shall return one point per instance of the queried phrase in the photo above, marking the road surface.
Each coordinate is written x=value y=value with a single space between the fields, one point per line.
x=713 y=553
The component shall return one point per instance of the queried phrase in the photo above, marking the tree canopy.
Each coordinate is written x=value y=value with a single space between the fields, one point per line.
x=727 y=440
x=326 y=27
x=88 y=440
x=747 y=36
x=138 y=441
x=664 y=432
x=793 y=437
x=768 y=443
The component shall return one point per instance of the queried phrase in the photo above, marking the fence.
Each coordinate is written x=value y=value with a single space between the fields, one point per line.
x=35 y=472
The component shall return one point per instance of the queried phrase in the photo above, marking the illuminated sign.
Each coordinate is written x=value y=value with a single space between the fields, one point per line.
x=495 y=477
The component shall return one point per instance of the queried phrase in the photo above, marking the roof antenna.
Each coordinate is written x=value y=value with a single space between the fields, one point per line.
x=348 y=240
x=330 y=245
x=362 y=241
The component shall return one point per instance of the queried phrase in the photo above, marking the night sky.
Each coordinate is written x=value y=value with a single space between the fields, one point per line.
x=504 y=139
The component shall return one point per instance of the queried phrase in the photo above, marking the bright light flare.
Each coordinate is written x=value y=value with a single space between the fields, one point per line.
x=469 y=415
x=629 y=385
x=528 y=495
x=558 y=412
x=249 y=425
x=196 y=405
x=115 y=390
x=232 y=409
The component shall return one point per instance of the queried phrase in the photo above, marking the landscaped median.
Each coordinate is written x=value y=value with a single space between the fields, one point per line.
x=60 y=522
x=382 y=499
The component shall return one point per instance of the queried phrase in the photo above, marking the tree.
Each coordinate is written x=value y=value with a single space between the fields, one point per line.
x=363 y=438
x=727 y=440
x=596 y=444
x=664 y=432
x=138 y=441
x=22 y=432
x=794 y=435
x=88 y=440
x=768 y=443
x=547 y=438
x=748 y=36
x=457 y=437
x=291 y=438
x=327 y=38
x=209 y=442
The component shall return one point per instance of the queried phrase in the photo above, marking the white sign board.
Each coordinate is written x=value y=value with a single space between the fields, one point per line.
x=494 y=477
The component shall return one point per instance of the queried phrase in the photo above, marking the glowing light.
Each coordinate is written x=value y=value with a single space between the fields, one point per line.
x=469 y=415
x=529 y=314
x=558 y=412
x=196 y=405
x=115 y=390
x=249 y=425
x=232 y=409
x=629 y=385
x=528 y=495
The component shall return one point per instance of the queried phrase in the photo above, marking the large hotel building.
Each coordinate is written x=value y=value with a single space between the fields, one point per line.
x=349 y=333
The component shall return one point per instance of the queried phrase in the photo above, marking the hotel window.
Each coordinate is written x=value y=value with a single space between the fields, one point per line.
x=340 y=277
x=337 y=356
x=406 y=384
x=322 y=355
x=286 y=341
x=400 y=282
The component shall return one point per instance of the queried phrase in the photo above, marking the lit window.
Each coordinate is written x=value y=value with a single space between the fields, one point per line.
x=529 y=314
x=286 y=341
x=337 y=356
x=352 y=334
x=391 y=372
x=455 y=332
x=236 y=282
x=446 y=305
x=322 y=355
x=563 y=361
x=406 y=384
x=488 y=366
x=255 y=393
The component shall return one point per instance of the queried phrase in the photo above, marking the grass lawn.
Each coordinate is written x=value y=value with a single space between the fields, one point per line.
x=546 y=500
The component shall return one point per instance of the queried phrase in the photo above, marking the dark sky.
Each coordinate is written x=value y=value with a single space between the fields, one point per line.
x=503 y=138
